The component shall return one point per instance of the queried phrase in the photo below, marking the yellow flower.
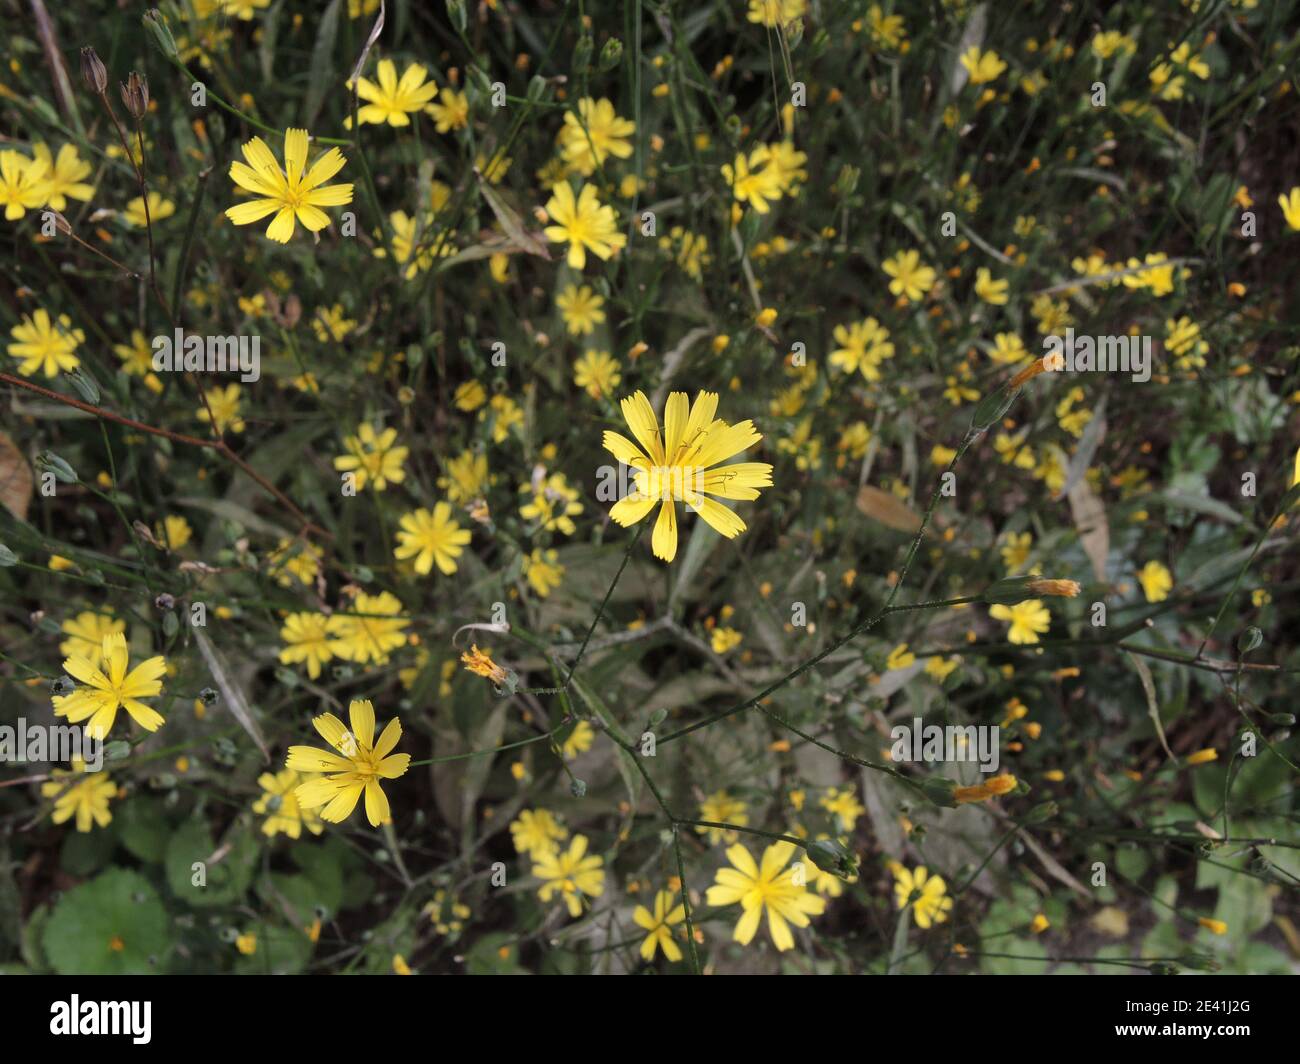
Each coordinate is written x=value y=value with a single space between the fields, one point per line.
x=295 y=559
x=1203 y=757
x=480 y=663
x=572 y=873
x=911 y=280
x=659 y=924
x=392 y=100
x=752 y=180
x=1039 y=924
x=595 y=133
x=720 y=807
x=357 y=767
x=543 y=571
x=429 y=538
x=108 y=687
x=552 y=504
x=583 y=223
x=373 y=458
x=1216 y=927
x=174 y=532
x=159 y=209
x=1015 y=550
x=87 y=799
x=580 y=309
x=1028 y=620
x=537 y=833
x=45 y=344
x=930 y=905
x=307 y=639
x=137 y=360
x=330 y=324
x=765 y=887
x=279 y=804
x=400 y=967
x=86 y=633
x=20 y=188
x=844 y=806
x=1290 y=204
x=724 y=640
x=1156 y=581
x=675 y=465
x=451 y=112
x=773 y=13
x=59 y=178
x=371 y=631
x=939 y=669
x=243 y=9
x=467 y=476
x=900 y=657
x=579 y=740
x=1008 y=349
x=862 y=346
x=597 y=373
x=982 y=66
x=989 y=290
x=293 y=193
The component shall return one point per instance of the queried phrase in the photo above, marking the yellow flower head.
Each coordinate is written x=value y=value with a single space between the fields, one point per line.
x=82 y=794
x=926 y=893
x=280 y=805
x=392 y=100
x=584 y=223
x=357 y=767
x=767 y=886
x=678 y=464
x=572 y=873
x=108 y=687
x=659 y=925
x=295 y=192
x=480 y=663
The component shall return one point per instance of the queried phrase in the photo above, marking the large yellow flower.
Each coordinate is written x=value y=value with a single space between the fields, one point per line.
x=766 y=886
x=111 y=688
x=675 y=466
x=358 y=766
x=294 y=192
x=583 y=223
x=371 y=630
x=392 y=100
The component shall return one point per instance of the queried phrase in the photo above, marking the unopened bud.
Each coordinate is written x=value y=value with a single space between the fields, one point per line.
x=135 y=95
x=831 y=855
x=93 y=72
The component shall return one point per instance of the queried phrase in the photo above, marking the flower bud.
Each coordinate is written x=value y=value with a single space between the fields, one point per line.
x=831 y=855
x=1059 y=588
x=93 y=72
x=155 y=24
x=135 y=95
x=612 y=54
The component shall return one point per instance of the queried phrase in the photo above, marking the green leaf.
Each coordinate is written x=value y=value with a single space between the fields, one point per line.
x=321 y=72
x=221 y=880
x=113 y=925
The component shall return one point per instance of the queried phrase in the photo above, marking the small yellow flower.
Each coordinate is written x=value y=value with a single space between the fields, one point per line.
x=911 y=279
x=982 y=66
x=159 y=209
x=659 y=924
x=724 y=640
x=279 y=805
x=721 y=808
x=580 y=307
x=573 y=874
x=1039 y=924
x=246 y=944
x=1203 y=757
x=900 y=657
x=431 y=537
x=537 y=833
x=392 y=100
x=583 y=223
x=46 y=344
x=1028 y=620
x=82 y=794
x=1156 y=581
x=597 y=374
x=1217 y=927
x=1290 y=204
x=926 y=893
